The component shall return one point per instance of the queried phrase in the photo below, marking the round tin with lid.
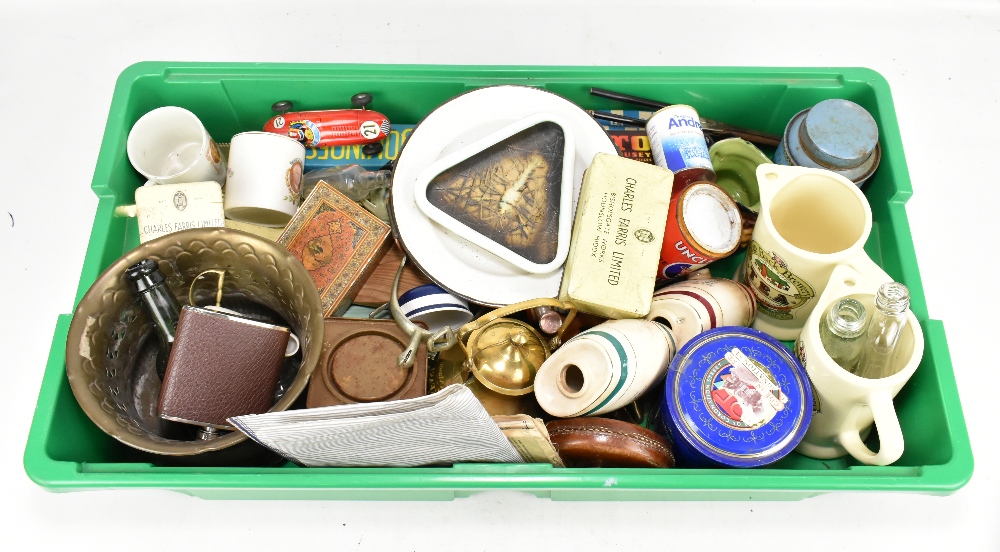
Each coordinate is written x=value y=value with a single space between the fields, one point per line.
x=837 y=135
x=735 y=397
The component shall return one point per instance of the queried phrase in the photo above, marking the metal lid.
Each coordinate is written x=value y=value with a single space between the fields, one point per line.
x=737 y=397
x=839 y=134
x=792 y=152
x=710 y=218
x=505 y=356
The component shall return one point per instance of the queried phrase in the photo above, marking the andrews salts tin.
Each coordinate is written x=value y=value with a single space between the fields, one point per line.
x=678 y=145
x=735 y=397
x=703 y=225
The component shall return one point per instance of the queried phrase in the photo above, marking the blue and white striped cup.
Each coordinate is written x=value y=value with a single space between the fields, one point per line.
x=435 y=307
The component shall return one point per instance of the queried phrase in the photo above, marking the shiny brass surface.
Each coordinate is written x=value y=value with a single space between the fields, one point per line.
x=452 y=367
x=110 y=329
x=505 y=354
x=448 y=368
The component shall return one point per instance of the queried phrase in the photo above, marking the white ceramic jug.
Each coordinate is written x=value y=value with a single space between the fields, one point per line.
x=811 y=220
x=845 y=405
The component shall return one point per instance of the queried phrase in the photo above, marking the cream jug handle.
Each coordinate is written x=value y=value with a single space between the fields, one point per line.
x=889 y=433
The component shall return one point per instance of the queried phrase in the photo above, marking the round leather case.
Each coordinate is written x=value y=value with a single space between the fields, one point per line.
x=358 y=364
x=606 y=443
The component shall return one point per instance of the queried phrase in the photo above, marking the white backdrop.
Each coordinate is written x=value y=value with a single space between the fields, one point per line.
x=58 y=65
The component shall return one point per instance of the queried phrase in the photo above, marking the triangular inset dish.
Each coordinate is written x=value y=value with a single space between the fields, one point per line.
x=509 y=193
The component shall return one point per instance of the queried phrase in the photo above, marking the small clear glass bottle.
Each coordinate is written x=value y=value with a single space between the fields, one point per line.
x=841 y=332
x=351 y=180
x=891 y=303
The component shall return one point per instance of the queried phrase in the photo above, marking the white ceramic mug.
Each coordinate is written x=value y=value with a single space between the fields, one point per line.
x=810 y=221
x=169 y=145
x=694 y=306
x=604 y=368
x=846 y=405
x=264 y=180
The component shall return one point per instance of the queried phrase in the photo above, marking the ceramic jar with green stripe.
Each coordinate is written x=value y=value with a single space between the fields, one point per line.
x=604 y=368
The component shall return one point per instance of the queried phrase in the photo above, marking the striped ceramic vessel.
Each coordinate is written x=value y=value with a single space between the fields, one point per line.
x=604 y=368
x=694 y=306
x=435 y=307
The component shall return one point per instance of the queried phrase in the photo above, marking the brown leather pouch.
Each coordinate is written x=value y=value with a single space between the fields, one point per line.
x=607 y=443
x=221 y=365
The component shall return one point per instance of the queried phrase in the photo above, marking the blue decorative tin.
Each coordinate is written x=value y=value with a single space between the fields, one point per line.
x=735 y=397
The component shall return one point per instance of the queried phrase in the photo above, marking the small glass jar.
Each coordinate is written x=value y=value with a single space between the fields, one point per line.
x=841 y=332
x=891 y=303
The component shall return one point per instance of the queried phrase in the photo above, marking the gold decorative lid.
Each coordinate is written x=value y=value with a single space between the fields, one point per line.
x=505 y=355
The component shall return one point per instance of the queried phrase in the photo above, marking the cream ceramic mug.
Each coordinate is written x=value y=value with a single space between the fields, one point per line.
x=811 y=220
x=846 y=405
x=264 y=179
x=694 y=306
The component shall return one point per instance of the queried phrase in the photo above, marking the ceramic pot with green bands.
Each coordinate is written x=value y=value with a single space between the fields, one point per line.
x=604 y=368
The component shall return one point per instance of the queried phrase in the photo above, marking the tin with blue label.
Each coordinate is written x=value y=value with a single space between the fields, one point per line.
x=678 y=144
x=735 y=397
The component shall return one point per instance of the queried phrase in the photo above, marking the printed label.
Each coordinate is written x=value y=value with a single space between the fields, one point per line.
x=673 y=270
x=677 y=140
x=180 y=201
x=305 y=131
x=741 y=393
x=168 y=208
x=293 y=181
x=369 y=130
x=778 y=291
x=644 y=235
x=616 y=235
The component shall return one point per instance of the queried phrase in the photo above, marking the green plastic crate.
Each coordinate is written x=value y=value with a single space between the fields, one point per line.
x=65 y=451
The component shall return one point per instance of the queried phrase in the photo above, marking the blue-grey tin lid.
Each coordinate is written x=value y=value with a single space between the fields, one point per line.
x=798 y=147
x=839 y=133
x=737 y=397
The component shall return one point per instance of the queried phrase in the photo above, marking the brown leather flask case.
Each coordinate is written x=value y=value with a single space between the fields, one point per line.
x=607 y=443
x=358 y=364
x=221 y=366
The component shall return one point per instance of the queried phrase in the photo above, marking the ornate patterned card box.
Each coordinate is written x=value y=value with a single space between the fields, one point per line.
x=339 y=243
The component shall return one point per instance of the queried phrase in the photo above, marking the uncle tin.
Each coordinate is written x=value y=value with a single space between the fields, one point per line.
x=703 y=225
x=678 y=144
x=735 y=397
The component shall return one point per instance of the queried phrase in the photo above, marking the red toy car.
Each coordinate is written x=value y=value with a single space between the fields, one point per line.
x=332 y=127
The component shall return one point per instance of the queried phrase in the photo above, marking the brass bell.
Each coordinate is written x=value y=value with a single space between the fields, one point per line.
x=505 y=354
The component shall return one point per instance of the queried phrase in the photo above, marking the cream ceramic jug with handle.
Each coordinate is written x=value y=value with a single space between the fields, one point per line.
x=811 y=220
x=846 y=405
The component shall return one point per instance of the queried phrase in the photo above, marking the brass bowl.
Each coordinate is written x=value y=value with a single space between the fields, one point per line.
x=110 y=329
